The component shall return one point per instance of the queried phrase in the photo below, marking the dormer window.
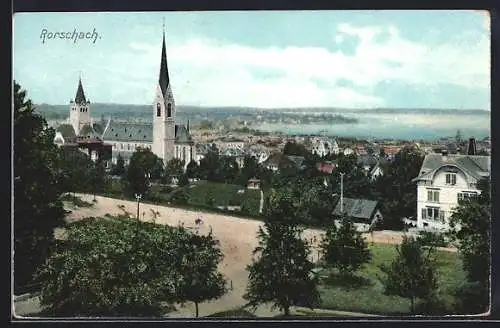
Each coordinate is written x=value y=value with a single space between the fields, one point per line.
x=451 y=179
x=158 y=110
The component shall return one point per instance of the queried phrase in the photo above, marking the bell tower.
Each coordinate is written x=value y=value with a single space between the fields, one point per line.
x=164 y=112
x=79 y=109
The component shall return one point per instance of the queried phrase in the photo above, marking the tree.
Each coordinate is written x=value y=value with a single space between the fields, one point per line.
x=412 y=273
x=296 y=149
x=281 y=273
x=470 y=227
x=249 y=170
x=98 y=176
x=139 y=269
x=229 y=169
x=119 y=168
x=37 y=187
x=201 y=280
x=174 y=168
x=344 y=248
x=210 y=165
x=397 y=190
x=183 y=180
x=192 y=170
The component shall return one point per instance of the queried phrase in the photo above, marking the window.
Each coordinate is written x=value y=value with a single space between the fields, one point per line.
x=451 y=179
x=121 y=146
x=432 y=213
x=184 y=154
x=158 y=110
x=169 y=110
x=466 y=195
x=128 y=146
x=433 y=196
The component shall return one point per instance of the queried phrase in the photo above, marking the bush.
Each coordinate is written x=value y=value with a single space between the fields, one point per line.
x=428 y=238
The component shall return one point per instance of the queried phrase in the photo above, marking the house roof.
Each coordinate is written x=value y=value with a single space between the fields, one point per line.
x=66 y=131
x=298 y=160
x=476 y=166
x=367 y=160
x=357 y=208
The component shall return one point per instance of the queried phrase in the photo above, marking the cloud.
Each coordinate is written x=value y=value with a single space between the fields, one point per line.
x=207 y=72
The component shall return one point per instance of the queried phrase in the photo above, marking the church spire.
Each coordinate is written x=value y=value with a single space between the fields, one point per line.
x=164 y=79
x=80 y=95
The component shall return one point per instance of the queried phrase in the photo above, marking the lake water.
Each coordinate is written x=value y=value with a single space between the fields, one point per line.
x=396 y=126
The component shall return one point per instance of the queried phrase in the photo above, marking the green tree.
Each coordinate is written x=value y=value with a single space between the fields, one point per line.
x=98 y=177
x=119 y=168
x=210 y=165
x=281 y=272
x=174 y=168
x=201 y=281
x=192 y=170
x=229 y=171
x=143 y=166
x=183 y=180
x=139 y=269
x=294 y=148
x=470 y=227
x=412 y=274
x=344 y=248
x=249 y=170
x=37 y=187
x=397 y=190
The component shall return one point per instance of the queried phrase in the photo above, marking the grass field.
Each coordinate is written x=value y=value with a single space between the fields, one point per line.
x=366 y=293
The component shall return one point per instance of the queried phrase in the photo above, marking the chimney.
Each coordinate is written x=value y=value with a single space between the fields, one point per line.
x=444 y=153
x=472 y=147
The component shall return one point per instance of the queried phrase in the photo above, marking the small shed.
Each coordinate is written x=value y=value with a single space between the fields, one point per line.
x=253 y=184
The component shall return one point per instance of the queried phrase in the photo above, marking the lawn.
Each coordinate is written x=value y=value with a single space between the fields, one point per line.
x=366 y=293
x=214 y=194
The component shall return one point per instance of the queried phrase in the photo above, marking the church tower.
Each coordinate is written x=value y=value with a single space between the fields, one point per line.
x=79 y=109
x=164 y=112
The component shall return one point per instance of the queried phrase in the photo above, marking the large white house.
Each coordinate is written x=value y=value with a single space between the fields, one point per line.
x=166 y=139
x=444 y=180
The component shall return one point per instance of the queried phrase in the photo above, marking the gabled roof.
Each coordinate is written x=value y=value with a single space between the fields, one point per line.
x=476 y=166
x=182 y=135
x=66 y=131
x=91 y=131
x=367 y=160
x=357 y=208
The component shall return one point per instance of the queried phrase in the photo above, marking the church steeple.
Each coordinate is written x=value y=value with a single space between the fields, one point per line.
x=164 y=79
x=80 y=95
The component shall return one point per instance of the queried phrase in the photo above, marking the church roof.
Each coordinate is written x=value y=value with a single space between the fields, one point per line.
x=80 y=95
x=182 y=135
x=66 y=131
x=124 y=131
x=164 y=79
x=89 y=131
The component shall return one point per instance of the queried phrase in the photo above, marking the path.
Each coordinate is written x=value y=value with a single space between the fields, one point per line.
x=261 y=204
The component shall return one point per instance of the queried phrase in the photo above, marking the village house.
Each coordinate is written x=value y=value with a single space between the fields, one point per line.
x=326 y=167
x=278 y=161
x=363 y=212
x=444 y=180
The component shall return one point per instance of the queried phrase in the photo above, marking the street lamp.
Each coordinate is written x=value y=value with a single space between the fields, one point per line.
x=138 y=197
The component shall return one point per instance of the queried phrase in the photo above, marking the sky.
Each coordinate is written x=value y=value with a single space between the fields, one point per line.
x=266 y=59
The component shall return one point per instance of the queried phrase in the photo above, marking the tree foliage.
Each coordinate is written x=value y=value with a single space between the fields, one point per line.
x=139 y=269
x=470 y=227
x=192 y=170
x=119 y=168
x=37 y=187
x=412 y=274
x=344 y=248
x=396 y=188
x=143 y=167
x=281 y=272
x=200 y=280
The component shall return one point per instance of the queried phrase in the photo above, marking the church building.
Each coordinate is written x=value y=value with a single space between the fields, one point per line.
x=162 y=136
